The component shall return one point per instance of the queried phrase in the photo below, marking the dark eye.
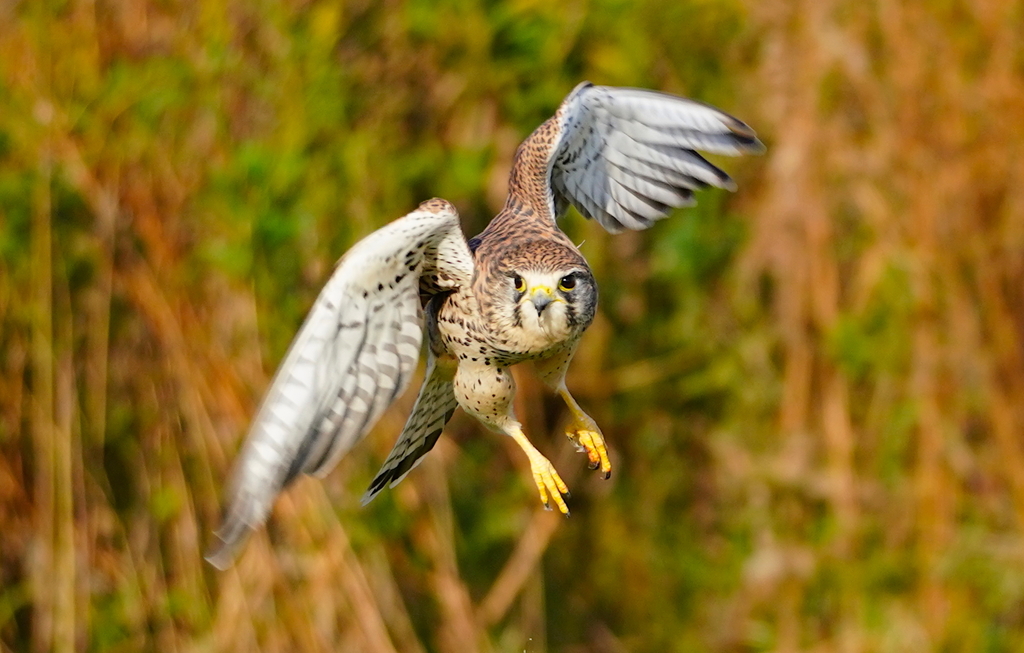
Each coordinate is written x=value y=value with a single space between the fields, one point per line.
x=519 y=283
x=567 y=283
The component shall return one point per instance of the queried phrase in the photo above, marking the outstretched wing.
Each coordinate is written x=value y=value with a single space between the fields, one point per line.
x=353 y=356
x=626 y=157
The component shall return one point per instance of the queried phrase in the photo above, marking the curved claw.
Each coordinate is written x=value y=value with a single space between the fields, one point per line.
x=591 y=441
x=549 y=483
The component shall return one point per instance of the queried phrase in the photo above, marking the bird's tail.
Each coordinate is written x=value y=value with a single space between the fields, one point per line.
x=433 y=409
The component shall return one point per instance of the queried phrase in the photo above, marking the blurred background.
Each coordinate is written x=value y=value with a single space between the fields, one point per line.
x=813 y=388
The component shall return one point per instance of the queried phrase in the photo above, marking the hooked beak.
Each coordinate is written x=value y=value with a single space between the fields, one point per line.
x=541 y=297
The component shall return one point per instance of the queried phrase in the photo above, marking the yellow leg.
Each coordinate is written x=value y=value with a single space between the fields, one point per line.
x=544 y=475
x=586 y=435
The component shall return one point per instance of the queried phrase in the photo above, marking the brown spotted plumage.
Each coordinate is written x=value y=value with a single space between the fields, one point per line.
x=518 y=291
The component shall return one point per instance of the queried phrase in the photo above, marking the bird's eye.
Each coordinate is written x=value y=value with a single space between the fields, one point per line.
x=520 y=284
x=567 y=283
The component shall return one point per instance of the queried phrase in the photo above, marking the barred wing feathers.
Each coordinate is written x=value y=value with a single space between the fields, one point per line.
x=355 y=353
x=626 y=157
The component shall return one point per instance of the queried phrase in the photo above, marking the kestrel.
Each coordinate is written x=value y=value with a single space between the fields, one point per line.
x=519 y=291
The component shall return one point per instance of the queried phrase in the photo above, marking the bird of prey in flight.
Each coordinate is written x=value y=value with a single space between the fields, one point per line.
x=519 y=291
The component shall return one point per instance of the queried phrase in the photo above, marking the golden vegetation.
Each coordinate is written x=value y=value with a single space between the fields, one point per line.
x=814 y=388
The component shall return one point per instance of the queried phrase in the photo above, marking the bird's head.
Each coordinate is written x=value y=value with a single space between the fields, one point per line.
x=551 y=294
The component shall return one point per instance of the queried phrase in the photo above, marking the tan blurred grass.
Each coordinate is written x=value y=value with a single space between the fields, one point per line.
x=899 y=121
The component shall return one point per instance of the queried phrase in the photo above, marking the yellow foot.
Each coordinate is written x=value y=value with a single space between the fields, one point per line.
x=549 y=483
x=587 y=437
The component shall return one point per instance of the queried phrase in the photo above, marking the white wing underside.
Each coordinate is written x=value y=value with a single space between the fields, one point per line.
x=626 y=157
x=355 y=353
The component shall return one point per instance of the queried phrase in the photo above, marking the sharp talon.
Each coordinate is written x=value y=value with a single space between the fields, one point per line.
x=566 y=514
x=550 y=486
x=607 y=475
x=567 y=494
x=593 y=465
